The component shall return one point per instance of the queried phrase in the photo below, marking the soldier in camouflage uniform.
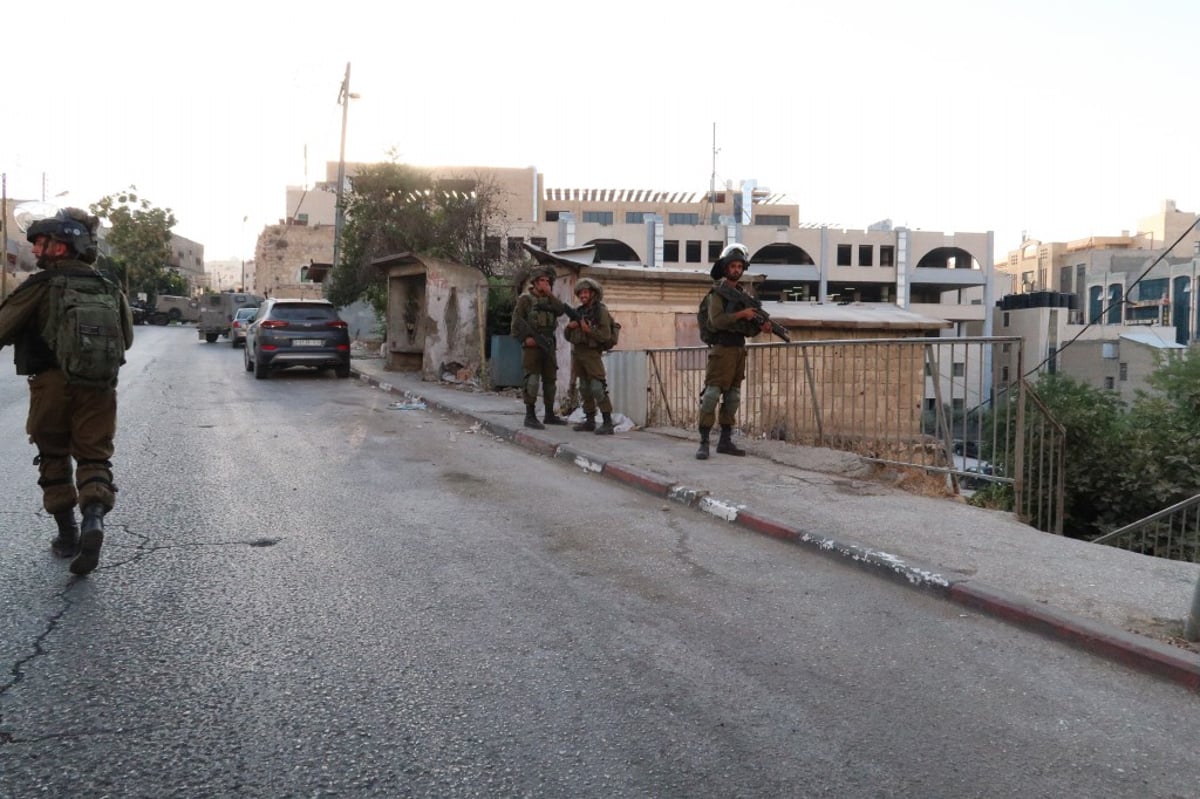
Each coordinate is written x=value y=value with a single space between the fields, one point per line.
x=534 y=322
x=589 y=337
x=66 y=421
x=726 y=368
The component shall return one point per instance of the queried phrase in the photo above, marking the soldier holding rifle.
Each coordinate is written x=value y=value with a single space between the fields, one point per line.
x=729 y=322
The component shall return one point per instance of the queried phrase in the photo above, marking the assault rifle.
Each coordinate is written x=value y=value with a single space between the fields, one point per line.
x=746 y=301
x=525 y=328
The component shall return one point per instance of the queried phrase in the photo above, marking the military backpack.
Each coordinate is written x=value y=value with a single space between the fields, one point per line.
x=84 y=329
x=616 y=332
x=708 y=333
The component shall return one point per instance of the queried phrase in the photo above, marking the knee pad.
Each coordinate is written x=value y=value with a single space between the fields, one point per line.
x=597 y=389
x=531 y=386
x=709 y=399
x=733 y=399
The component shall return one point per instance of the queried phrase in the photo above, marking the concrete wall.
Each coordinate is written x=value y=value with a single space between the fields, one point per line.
x=433 y=318
x=282 y=252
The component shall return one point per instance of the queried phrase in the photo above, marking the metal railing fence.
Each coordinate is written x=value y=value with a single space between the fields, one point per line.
x=926 y=403
x=1172 y=533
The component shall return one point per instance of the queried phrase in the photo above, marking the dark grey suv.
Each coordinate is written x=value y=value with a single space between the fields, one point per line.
x=297 y=333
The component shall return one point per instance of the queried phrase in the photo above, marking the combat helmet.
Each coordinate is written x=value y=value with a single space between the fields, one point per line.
x=732 y=252
x=588 y=283
x=72 y=226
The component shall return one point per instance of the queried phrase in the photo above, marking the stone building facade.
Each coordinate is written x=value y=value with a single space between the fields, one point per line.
x=285 y=255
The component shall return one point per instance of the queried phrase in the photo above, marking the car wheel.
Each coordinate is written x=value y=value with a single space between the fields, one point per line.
x=210 y=337
x=342 y=371
x=260 y=370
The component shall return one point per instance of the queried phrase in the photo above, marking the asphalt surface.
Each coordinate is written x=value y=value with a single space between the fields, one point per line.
x=1116 y=604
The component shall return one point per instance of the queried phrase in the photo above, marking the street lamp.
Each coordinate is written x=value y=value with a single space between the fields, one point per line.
x=344 y=98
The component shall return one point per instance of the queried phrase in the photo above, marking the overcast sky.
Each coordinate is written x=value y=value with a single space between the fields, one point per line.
x=942 y=115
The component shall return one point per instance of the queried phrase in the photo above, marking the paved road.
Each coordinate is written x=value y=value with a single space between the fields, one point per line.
x=307 y=592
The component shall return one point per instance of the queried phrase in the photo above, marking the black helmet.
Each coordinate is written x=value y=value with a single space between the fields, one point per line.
x=731 y=253
x=72 y=226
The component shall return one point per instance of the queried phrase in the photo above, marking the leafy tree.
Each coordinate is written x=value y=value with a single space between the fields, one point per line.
x=1123 y=463
x=392 y=208
x=139 y=239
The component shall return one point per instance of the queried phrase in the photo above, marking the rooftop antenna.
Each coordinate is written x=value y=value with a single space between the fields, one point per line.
x=712 y=181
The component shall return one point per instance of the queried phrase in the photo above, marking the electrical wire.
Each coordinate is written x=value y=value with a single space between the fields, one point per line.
x=1104 y=310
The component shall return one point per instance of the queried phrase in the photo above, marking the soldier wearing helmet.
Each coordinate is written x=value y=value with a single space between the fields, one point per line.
x=726 y=368
x=72 y=425
x=534 y=322
x=589 y=337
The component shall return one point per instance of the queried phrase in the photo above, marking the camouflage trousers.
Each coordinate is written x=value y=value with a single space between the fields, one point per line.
x=723 y=376
x=73 y=429
x=539 y=367
x=587 y=366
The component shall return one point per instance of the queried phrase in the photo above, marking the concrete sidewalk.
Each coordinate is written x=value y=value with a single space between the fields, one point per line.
x=1117 y=604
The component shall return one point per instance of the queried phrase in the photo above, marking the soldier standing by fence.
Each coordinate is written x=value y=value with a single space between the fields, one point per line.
x=727 y=329
x=589 y=337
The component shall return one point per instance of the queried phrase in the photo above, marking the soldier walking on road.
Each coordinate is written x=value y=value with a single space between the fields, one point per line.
x=70 y=328
x=589 y=337
x=534 y=322
x=726 y=368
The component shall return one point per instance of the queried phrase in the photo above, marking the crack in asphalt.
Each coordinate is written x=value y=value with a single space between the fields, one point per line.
x=19 y=668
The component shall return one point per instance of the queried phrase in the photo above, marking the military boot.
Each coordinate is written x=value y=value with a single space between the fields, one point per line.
x=725 y=445
x=550 y=418
x=91 y=537
x=66 y=544
x=702 y=453
x=531 y=419
x=587 y=425
x=605 y=429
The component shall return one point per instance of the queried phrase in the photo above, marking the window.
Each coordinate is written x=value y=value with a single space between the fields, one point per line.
x=539 y=241
x=693 y=252
x=1004 y=374
x=1109 y=384
x=302 y=219
x=552 y=216
x=671 y=251
x=598 y=217
x=714 y=250
x=958 y=405
x=777 y=220
x=887 y=255
x=491 y=247
x=866 y=255
x=1124 y=370
x=514 y=246
x=843 y=254
x=1108 y=350
x=958 y=369
x=1064 y=278
x=1005 y=322
x=683 y=219
x=304 y=275
x=1006 y=348
x=635 y=217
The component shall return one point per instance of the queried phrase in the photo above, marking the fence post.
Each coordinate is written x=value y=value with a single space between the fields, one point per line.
x=1191 y=625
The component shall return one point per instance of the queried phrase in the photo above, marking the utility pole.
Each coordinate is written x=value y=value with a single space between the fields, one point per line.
x=4 y=234
x=344 y=98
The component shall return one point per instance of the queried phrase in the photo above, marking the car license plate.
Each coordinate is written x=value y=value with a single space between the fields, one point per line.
x=307 y=342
